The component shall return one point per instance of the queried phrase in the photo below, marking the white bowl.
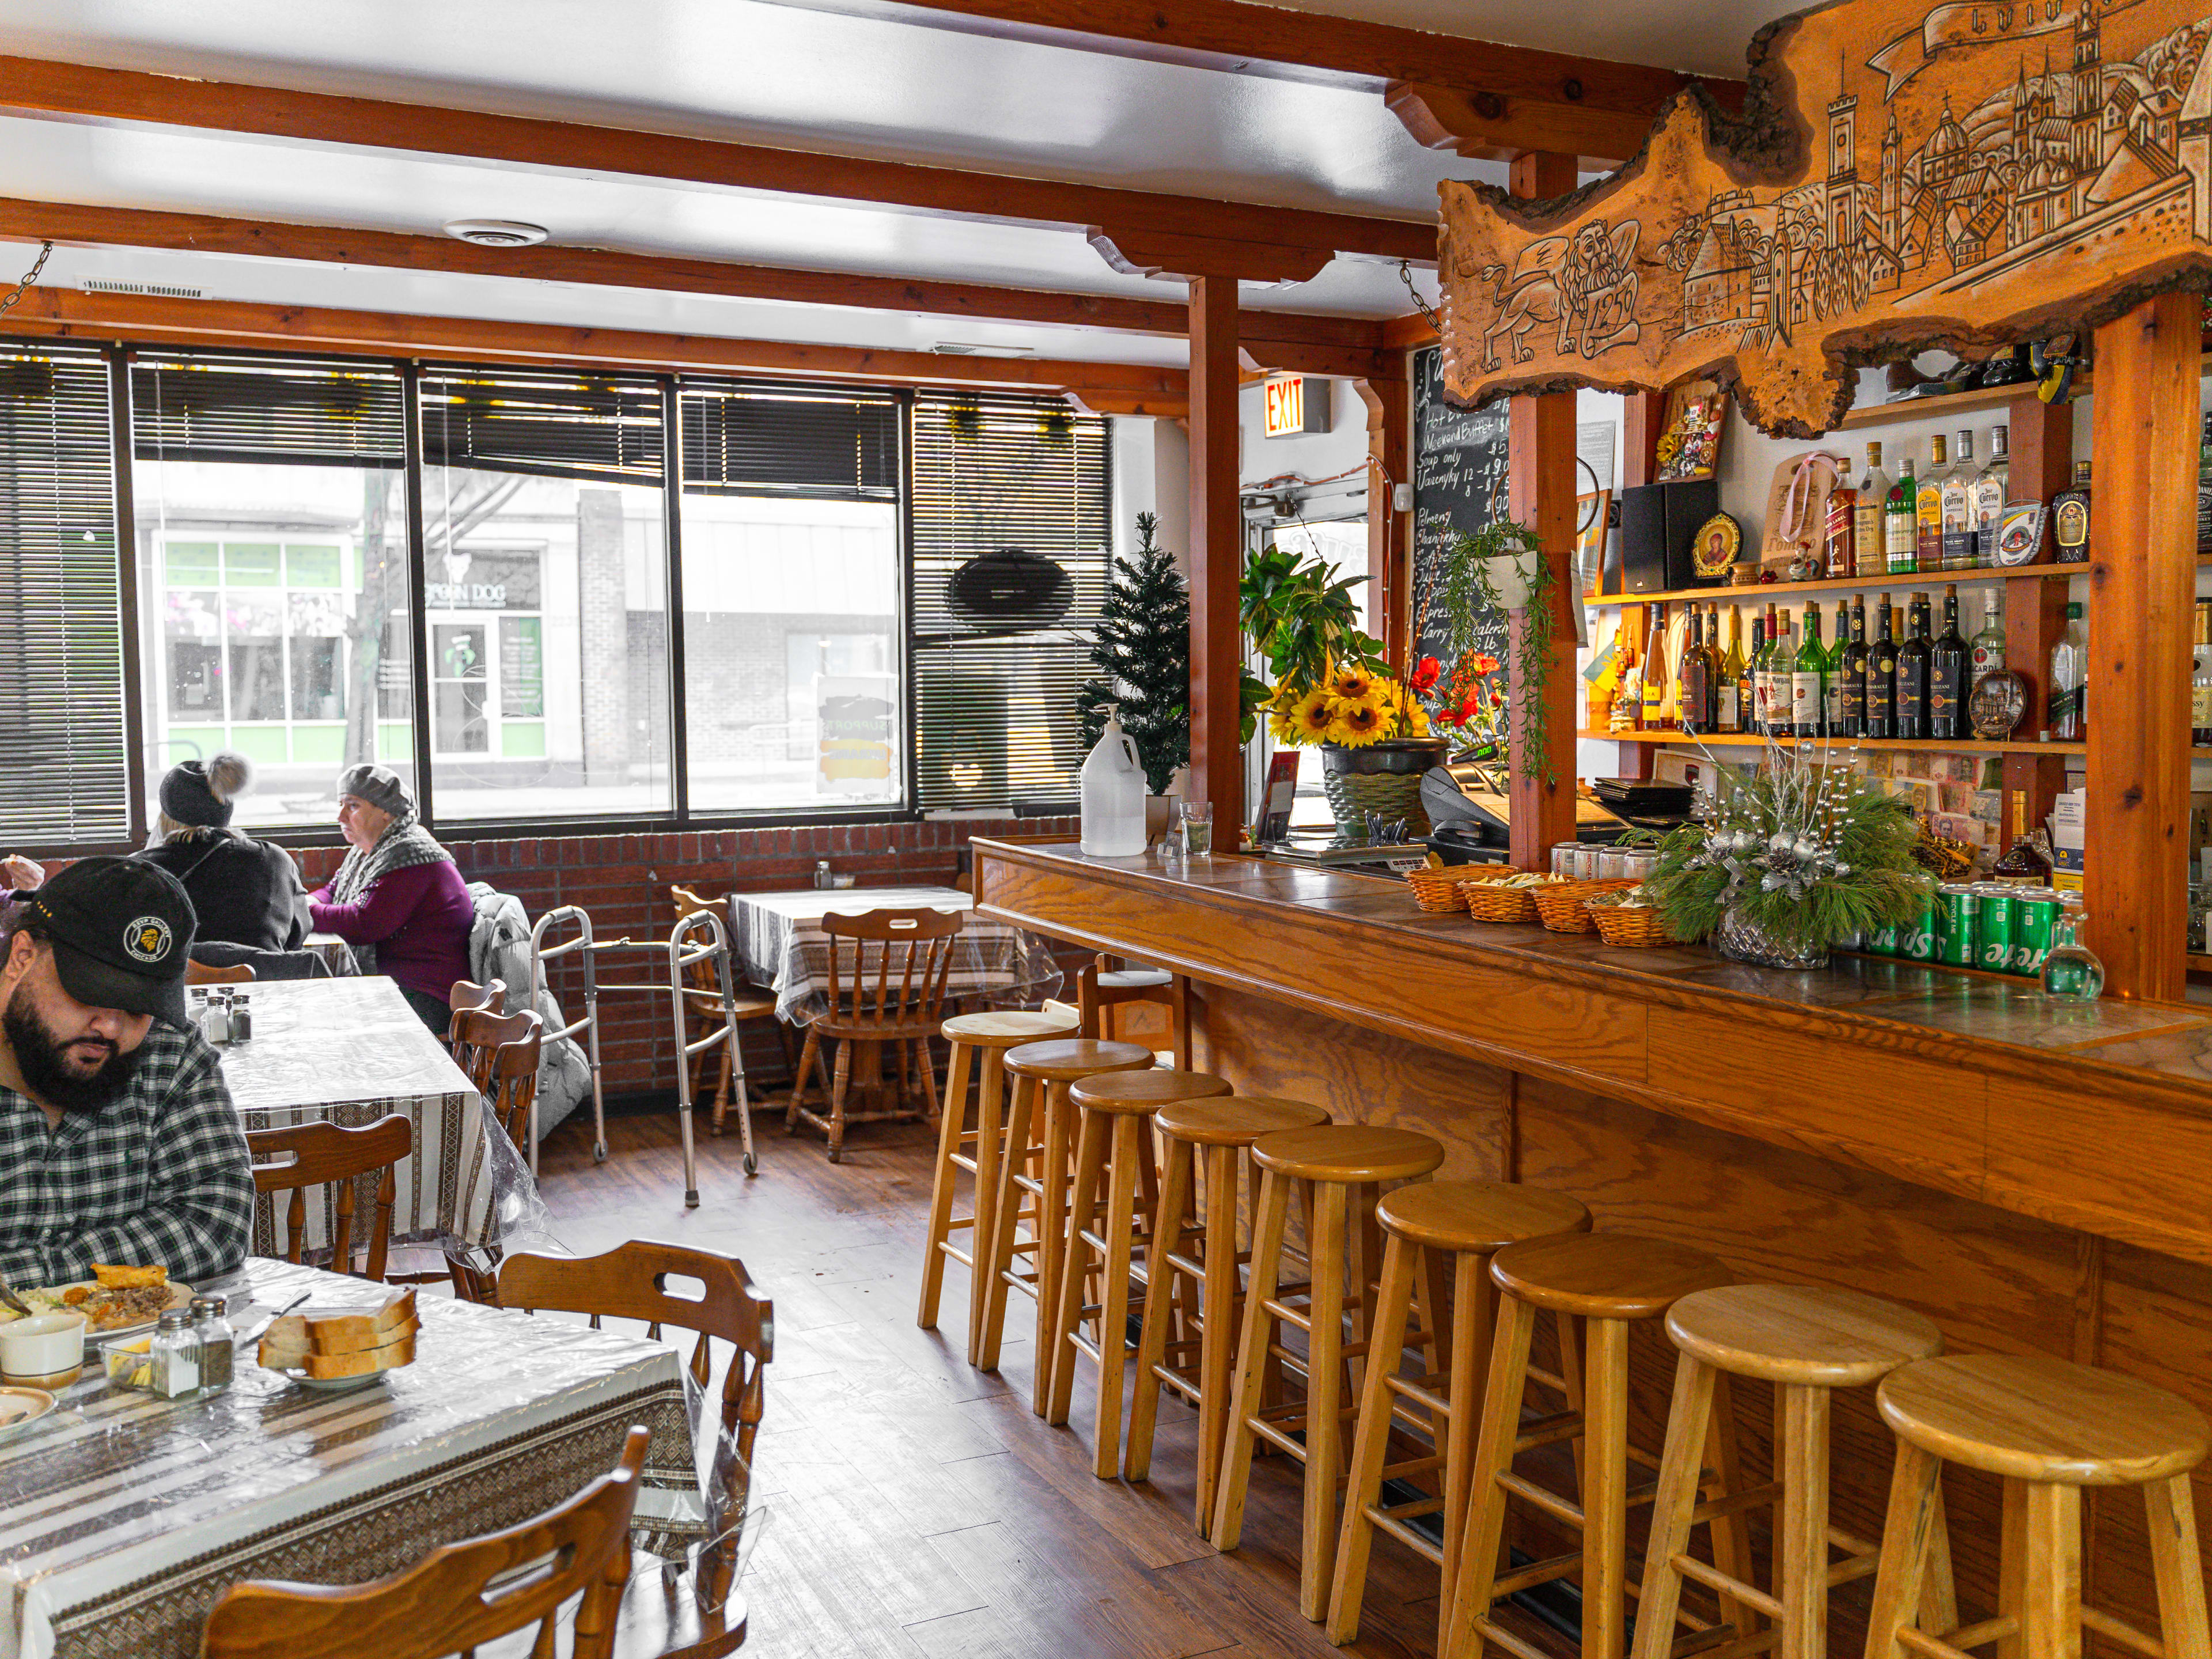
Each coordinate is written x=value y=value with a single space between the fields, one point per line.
x=43 y=1347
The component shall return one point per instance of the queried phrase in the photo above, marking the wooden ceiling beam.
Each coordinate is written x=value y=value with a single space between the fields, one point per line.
x=75 y=92
x=145 y=318
x=1532 y=99
x=1283 y=340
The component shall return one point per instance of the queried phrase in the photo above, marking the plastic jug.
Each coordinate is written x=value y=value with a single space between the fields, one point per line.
x=1113 y=794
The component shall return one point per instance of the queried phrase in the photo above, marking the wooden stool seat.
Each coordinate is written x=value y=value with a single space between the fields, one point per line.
x=1605 y=1275
x=1809 y=1335
x=1236 y=1121
x=2031 y=1418
x=1480 y=1216
x=1348 y=1154
x=1009 y=1028
x=1133 y=979
x=1139 y=1094
x=1069 y=1060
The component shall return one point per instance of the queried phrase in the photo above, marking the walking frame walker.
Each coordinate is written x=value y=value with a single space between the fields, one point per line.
x=699 y=937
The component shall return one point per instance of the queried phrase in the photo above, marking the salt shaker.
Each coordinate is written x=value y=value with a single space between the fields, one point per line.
x=217 y=1343
x=175 y=1352
x=214 y=1021
x=821 y=877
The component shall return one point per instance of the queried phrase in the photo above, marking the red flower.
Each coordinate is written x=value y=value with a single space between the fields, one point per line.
x=1482 y=662
x=1425 y=673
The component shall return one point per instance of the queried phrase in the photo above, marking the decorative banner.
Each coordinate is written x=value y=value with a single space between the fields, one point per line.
x=1963 y=176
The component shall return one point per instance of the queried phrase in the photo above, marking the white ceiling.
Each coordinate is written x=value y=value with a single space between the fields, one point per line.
x=762 y=72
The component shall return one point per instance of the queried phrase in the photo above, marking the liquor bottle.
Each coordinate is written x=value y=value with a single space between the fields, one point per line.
x=1928 y=510
x=1988 y=645
x=2200 y=679
x=1913 y=671
x=1762 y=671
x=1947 y=674
x=2069 y=519
x=1900 y=527
x=1881 y=675
x=1809 y=687
x=1750 y=717
x=2204 y=489
x=2069 y=673
x=1989 y=503
x=1729 y=715
x=1628 y=696
x=1836 y=544
x=1781 y=662
x=1695 y=688
x=1655 y=673
x=1850 y=678
x=1959 y=508
x=1870 y=502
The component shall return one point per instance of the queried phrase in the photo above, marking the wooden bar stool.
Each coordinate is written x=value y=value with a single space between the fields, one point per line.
x=1050 y=1066
x=989 y=1034
x=1329 y=1162
x=1607 y=1280
x=1113 y=1145
x=1469 y=1221
x=2048 y=1429
x=1807 y=1340
x=1212 y=1131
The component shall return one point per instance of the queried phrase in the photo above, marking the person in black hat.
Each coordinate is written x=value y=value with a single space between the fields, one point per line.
x=118 y=1141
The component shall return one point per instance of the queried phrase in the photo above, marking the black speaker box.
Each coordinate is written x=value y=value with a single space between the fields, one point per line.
x=1658 y=523
x=1689 y=505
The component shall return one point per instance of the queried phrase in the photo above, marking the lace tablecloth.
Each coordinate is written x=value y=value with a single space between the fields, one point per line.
x=123 y=1517
x=780 y=943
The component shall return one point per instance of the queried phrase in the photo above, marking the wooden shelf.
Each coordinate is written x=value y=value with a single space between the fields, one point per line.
x=1916 y=408
x=1979 y=576
x=2199 y=965
x=1746 y=739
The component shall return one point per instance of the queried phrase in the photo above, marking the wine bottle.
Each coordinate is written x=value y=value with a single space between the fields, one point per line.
x=1808 y=681
x=1729 y=717
x=1881 y=674
x=1947 y=674
x=1913 y=671
x=1695 y=687
x=1851 y=677
x=1655 y=673
x=1750 y=716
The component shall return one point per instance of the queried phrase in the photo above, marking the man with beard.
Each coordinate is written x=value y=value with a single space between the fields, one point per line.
x=119 y=1142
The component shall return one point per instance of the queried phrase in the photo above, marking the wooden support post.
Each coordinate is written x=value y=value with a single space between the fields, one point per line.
x=1217 y=558
x=1643 y=416
x=1541 y=490
x=2041 y=437
x=2142 y=579
x=1389 y=412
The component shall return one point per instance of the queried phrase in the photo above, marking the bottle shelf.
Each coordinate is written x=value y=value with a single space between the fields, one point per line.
x=1943 y=403
x=1944 y=745
x=1979 y=576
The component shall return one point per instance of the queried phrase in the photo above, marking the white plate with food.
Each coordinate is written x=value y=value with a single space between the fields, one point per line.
x=19 y=1406
x=115 y=1302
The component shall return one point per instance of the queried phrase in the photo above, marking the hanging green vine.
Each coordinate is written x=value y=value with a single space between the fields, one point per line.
x=1468 y=589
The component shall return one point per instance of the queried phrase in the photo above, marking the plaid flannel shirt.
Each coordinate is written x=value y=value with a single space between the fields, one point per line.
x=160 y=1175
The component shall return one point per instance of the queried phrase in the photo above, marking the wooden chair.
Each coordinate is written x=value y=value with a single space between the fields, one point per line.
x=321 y=1152
x=703 y=1012
x=510 y=1087
x=467 y=997
x=460 y=1595
x=631 y=1282
x=201 y=973
x=478 y=1031
x=902 y=1009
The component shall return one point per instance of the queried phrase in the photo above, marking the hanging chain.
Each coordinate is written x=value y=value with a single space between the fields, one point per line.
x=1405 y=276
x=29 y=277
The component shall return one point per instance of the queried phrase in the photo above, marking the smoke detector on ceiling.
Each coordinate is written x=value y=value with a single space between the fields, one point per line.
x=496 y=232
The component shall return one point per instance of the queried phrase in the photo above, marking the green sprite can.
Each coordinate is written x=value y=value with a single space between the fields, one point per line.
x=1882 y=941
x=1993 y=927
x=1915 y=938
x=1957 y=907
x=2035 y=918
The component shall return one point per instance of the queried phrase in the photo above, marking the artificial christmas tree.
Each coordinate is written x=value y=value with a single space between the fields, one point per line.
x=1142 y=651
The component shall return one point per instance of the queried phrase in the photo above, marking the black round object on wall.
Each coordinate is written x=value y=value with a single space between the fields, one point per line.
x=1012 y=591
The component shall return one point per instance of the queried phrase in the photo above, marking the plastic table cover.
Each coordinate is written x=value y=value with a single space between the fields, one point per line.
x=125 y=1517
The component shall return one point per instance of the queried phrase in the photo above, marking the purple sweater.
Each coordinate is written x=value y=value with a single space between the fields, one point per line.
x=418 y=918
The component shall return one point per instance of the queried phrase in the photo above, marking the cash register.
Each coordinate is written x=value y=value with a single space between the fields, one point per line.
x=1472 y=809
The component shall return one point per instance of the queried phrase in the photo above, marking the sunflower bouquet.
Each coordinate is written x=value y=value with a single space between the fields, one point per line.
x=1333 y=684
x=1354 y=706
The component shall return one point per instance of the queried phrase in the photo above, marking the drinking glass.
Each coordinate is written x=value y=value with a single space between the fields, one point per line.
x=1197 y=818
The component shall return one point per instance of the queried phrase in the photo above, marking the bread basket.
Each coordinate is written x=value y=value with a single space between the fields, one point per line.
x=1563 y=907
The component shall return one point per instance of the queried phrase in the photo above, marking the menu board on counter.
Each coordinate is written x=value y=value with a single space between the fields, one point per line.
x=1459 y=485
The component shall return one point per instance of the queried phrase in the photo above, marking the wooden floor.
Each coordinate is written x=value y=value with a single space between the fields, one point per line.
x=918 y=1507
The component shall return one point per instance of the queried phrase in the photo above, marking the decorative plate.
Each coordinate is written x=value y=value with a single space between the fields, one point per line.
x=331 y=1384
x=1998 y=704
x=1718 y=540
x=2020 y=532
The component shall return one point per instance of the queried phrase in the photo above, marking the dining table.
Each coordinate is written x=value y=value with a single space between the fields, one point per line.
x=124 y=1516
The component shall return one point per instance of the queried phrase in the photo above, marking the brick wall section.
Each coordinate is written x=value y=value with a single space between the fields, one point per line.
x=624 y=882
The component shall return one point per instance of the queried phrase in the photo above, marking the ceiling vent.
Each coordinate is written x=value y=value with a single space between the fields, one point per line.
x=159 y=290
x=496 y=232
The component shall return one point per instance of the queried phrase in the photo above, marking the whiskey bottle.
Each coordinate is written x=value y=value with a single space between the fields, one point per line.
x=2069 y=519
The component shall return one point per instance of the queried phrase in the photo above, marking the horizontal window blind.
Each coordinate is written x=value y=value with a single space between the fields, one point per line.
x=189 y=407
x=746 y=438
x=1012 y=537
x=600 y=427
x=63 y=747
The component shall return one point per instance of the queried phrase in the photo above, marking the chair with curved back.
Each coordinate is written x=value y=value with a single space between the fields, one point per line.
x=631 y=1282
x=203 y=973
x=703 y=1012
x=467 y=997
x=318 y=1153
x=887 y=970
x=476 y=1031
x=459 y=1596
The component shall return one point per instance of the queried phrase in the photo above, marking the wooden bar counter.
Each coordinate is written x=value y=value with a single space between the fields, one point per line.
x=2032 y=1175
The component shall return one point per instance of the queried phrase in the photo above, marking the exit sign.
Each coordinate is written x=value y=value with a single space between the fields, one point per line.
x=1295 y=403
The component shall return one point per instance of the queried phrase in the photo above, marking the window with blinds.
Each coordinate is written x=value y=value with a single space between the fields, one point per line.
x=746 y=438
x=1012 y=541
x=287 y=411
x=594 y=427
x=63 y=750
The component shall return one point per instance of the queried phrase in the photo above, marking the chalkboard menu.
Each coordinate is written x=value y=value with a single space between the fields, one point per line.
x=1459 y=483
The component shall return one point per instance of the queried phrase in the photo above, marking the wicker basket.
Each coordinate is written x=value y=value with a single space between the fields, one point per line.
x=1489 y=902
x=1563 y=907
x=1483 y=872
x=1437 y=890
x=1630 y=926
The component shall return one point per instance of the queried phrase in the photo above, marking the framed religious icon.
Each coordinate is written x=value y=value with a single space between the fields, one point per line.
x=1715 y=547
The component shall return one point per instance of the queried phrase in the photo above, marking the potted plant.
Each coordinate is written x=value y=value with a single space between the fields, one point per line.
x=1141 y=648
x=1499 y=568
x=1334 y=689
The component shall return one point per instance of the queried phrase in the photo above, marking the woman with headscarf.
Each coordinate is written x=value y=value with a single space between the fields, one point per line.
x=397 y=899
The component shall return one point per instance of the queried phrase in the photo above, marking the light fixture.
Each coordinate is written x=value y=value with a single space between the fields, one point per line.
x=495 y=233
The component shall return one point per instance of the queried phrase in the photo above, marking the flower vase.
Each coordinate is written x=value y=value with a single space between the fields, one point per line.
x=1742 y=939
x=1383 y=779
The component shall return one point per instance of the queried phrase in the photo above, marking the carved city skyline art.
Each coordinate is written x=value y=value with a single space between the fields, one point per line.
x=1963 y=175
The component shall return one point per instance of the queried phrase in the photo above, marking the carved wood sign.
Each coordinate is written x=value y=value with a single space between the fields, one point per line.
x=1965 y=175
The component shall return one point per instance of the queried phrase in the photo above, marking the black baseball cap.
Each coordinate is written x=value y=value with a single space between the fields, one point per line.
x=121 y=930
